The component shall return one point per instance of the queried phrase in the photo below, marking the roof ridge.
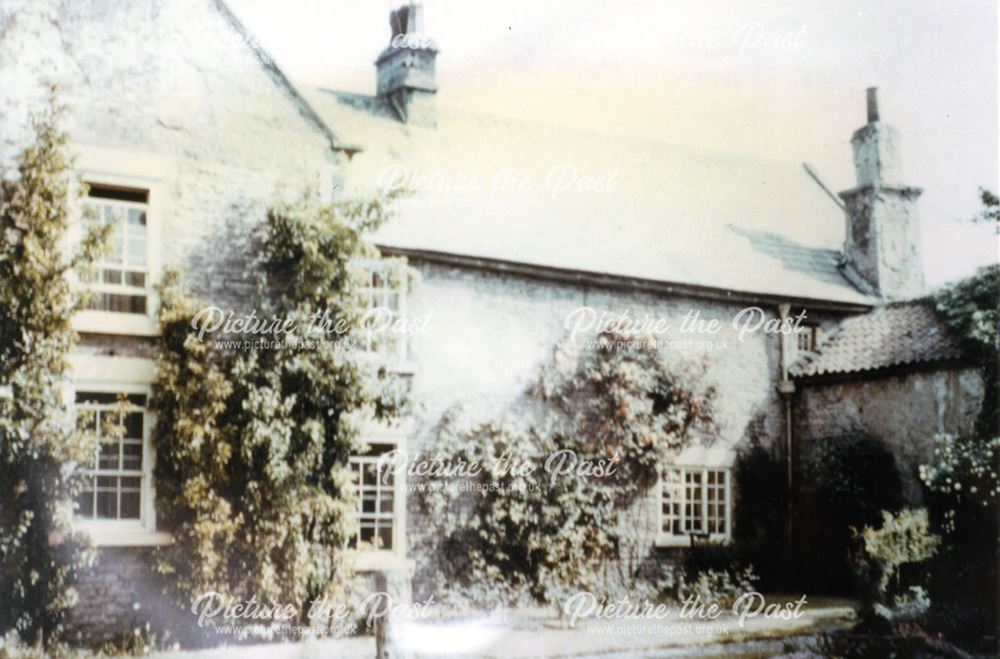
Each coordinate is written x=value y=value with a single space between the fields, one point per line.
x=693 y=149
x=269 y=63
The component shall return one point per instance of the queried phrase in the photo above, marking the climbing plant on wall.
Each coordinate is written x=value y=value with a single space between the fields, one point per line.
x=252 y=445
x=548 y=510
x=40 y=448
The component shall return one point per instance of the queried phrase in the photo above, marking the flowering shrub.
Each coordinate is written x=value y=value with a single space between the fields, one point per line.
x=533 y=536
x=965 y=471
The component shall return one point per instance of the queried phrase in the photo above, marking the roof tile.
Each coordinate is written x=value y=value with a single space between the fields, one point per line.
x=892 y=335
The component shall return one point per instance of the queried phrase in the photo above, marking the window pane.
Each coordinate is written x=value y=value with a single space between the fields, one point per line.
x=385 y=535
x=132 y=456
x=133 y=425
x=107 y=504
x=108 y=456
x=85 y=500
x=136 y=252
x=130 y=505
x=136 y=217
x=137 y=279
x=119 y=303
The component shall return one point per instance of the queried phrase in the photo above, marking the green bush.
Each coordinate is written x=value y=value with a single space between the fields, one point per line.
x=848 y=481
x=903 y=540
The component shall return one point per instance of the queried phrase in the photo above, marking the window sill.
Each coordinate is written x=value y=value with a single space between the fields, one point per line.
x=112 y=534
x=109 y=322
x=381 y=561
x=685 y=541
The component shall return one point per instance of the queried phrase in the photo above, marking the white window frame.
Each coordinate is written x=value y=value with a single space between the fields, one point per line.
x=396 y=360
x=810 y=333
x=101 y=287
x=125 y=375
x=136 y=170
x=683 y=539
x=370 y=559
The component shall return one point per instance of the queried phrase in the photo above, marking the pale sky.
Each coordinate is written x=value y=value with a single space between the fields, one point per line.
x=778 y=80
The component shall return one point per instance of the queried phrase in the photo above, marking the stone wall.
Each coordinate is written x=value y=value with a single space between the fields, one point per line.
x=905 y=410
x=120 y=595
x=487 y=334
x=175 y=81
x=172 y=82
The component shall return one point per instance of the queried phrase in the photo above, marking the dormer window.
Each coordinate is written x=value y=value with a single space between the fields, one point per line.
x=121 y=279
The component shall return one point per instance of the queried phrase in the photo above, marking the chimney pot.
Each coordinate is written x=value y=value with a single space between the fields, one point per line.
x=872 y=105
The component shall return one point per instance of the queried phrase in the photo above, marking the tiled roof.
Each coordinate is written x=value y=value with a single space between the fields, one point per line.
x=893 y=335
x=669 y=213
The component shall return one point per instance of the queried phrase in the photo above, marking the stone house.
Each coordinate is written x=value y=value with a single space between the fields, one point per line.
x=517 y=231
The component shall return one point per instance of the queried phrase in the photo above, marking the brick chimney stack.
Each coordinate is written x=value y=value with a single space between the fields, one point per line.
x=882 y=244
x=405 y=71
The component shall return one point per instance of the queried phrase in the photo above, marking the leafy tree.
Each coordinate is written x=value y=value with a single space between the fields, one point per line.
x=252 y=446
x=536 y=534
x=961 y=478
x=41 y=449
x=971 y=308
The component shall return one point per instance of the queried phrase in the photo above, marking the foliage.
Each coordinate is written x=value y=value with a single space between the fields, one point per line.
x=537 y=536
x=850 y=479
x=971 y=308
x=252 y=446
x=721 y=587
x=760 y=517
x=961 y=479
x=964 y=470
x=903 y=538
x=41 y=450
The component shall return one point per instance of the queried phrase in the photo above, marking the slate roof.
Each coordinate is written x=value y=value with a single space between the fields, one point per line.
x=676 y=215
x=892 y=335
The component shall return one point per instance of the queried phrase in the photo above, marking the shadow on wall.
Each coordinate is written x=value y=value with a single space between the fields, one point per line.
x=220 y=267
x=846 y=481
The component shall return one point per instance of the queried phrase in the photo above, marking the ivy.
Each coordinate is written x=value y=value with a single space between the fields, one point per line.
x=971 y=308
x=41 y=449
x=252 y=446
x=532 y=536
